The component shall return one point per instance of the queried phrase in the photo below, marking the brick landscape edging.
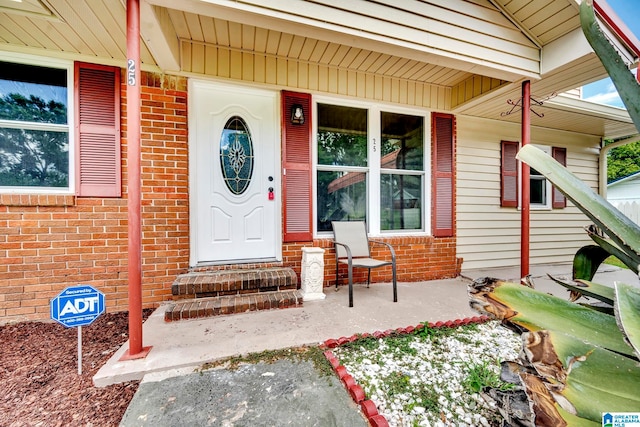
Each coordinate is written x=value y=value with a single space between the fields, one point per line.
x=367 y=406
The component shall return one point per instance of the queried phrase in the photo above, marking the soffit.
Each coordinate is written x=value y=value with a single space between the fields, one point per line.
x=96 y=31
x=91 y=31
x=542 y=20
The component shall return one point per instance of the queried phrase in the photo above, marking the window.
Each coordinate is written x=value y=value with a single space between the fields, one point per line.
x=370 y=166
x=542 y=195
x=342 y=165
x=539 y=189
x=54 y=138
x=34 y=127
x=236 y=155
x=402 y=167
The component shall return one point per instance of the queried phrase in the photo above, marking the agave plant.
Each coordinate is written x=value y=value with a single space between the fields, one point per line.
x=578 y=360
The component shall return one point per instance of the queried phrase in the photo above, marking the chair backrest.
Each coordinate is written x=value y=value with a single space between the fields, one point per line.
x=352 y=234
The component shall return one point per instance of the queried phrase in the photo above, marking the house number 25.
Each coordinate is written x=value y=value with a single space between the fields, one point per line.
x=374 y=145
x=131 y=72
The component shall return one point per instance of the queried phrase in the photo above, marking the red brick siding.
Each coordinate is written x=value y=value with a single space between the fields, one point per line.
x=48 y=242
x=165 y=185
x=417 y=258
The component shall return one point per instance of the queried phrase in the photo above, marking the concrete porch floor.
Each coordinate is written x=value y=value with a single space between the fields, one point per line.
x=178 y=347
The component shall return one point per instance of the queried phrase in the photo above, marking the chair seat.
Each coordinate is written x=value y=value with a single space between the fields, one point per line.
x=365 y=262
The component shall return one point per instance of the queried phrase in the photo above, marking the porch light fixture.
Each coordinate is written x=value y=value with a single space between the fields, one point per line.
x=297 y=114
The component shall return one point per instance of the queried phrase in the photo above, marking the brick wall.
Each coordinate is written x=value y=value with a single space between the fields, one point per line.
x=417 y=258
x=50 y=242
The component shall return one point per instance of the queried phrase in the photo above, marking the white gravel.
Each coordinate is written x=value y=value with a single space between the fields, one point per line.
x=420 y=381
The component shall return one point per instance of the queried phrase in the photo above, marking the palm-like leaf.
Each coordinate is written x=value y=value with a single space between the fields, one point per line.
x=627 y=310
x=569 y=367
x=585 y=287
x=533 y=310
x=587 y=260
x=624 y=232
x=622 y=77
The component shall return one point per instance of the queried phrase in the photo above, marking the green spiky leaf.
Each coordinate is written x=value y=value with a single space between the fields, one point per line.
x=588 y=288
x=631 y=260
x=534 y=311
x=575 y=421
x=587 y=260
x=624 y=232
x=591 y=379
x=627 y=309
x=623 y=79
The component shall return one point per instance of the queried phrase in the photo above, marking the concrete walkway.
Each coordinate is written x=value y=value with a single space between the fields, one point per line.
x=174 y=391
x=191 y=343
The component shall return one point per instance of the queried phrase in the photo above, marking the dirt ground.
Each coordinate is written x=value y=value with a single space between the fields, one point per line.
x=39 y=380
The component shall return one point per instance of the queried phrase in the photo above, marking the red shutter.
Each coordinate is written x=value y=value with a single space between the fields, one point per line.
x=509 y=175
x=443 y=192
x=296 y=179
x=558 y=200
x=97 y=101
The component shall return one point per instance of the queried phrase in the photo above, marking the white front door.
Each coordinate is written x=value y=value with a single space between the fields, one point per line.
x=234 y=151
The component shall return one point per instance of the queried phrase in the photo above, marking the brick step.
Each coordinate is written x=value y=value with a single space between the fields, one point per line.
x=234 y=282
x=231 y=304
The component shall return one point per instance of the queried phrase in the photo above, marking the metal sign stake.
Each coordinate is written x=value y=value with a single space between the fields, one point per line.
x=79 y=350
x=76 y=307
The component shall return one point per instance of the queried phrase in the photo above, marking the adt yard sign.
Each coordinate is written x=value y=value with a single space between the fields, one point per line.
x=77 y=306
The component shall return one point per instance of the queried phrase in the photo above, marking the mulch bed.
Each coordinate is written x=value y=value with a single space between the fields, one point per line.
x=39 y=373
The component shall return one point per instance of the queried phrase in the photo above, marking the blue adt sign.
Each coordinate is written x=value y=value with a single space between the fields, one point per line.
x=77 y=306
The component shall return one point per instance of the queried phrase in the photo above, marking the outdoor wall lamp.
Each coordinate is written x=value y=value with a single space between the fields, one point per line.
x=297 y=114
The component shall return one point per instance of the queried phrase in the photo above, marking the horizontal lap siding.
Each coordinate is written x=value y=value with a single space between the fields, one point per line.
x=475 y=30
x=489 y=235
x=301 y=75
x=629 y=190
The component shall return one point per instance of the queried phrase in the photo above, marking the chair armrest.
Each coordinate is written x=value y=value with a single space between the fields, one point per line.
x=346 y=248
x=393 y=252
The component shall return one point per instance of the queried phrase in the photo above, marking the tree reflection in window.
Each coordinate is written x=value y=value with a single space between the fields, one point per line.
x=34 y=128
x=402 y=171
x=342 y=164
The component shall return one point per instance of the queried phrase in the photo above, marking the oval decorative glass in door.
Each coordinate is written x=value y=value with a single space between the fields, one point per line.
x=236 y=155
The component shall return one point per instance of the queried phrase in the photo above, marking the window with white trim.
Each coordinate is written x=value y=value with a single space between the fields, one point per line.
x=539 y=186
x=35 y=123
x=542 y=194
x=370 y=165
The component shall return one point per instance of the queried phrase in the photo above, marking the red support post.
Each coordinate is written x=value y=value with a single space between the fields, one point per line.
x=525 y=182
x=136 y=351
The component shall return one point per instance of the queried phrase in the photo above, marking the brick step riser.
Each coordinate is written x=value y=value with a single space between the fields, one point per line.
x=224 y=305
x=220 y=289
x=219 y=283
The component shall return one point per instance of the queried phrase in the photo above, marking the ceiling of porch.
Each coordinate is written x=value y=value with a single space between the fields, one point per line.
x=300 y=30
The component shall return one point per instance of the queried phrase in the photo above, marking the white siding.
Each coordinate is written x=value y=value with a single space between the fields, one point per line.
x=627 y=190
x=488 y=234
x=455 y=32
